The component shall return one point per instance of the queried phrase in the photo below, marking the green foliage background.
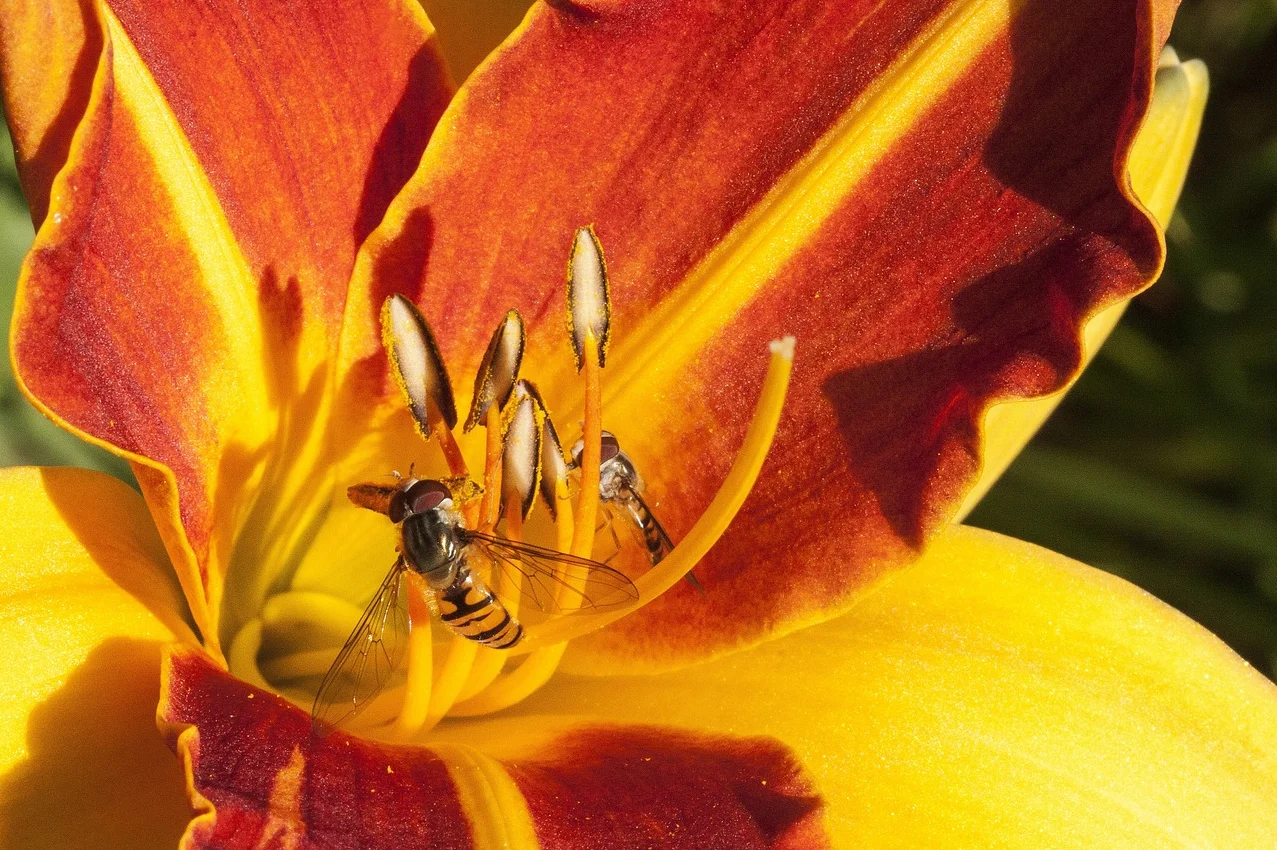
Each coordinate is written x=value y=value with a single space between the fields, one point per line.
x=1161 y=465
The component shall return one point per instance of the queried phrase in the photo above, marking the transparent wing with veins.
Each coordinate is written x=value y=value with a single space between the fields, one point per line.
x=555 y=582
x=369 y=659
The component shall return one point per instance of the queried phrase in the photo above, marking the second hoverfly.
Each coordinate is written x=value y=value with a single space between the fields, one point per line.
x=435 y=543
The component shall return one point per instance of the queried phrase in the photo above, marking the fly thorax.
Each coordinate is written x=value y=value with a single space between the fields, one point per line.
x=431 y=547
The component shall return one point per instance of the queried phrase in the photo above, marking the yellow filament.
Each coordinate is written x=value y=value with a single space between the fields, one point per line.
x=488 y=662
x=517 y=685
x=490 y=799
x=727 y=501
x=492 y=470
x=458 y=666
x=417 y=692
x=451 y=451
x=587 y=509
x=456 y=669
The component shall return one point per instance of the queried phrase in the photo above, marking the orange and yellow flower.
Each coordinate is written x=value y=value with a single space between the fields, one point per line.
x=945 y=202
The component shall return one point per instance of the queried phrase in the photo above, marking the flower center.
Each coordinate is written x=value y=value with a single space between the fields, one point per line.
x=473 y=618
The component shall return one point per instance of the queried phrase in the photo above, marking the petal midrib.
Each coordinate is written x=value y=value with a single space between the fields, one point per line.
x=759 y=246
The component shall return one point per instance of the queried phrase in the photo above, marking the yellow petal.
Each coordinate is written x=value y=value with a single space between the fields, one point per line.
x=1158 y=164
x=87 y=598
x=993 y=695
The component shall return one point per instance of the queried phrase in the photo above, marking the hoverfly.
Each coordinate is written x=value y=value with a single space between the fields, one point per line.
x=435 y=543
x=621 y=494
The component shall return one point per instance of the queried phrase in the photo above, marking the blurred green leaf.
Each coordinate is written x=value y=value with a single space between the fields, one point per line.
x=26 y=437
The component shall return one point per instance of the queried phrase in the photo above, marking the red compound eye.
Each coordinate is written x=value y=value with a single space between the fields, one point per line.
x=610 y=447
x=426 y=496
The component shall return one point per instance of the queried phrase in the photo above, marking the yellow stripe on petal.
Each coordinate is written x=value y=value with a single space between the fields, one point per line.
x=1158 y=165
x=782 y=224
x=87 y=598
x=498 y=814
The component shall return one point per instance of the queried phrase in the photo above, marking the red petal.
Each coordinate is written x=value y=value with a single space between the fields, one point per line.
x=958 y=269
x=187 y=288
x=314 y=118
x=259 y=775
x=243 y=746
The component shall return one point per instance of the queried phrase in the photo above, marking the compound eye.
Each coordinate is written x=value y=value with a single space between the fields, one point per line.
x=610 y=449
x=398 y=510
x=426 y=496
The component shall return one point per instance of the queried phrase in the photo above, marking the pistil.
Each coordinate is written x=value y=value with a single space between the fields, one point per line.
x=711 y=525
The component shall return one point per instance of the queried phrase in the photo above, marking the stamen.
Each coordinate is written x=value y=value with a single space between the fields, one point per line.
x=417 y=365
x=488 y=662
x=727 y=501
x=589 y=308
x=589 y=322
x=521 y=457
x=493 y=385
x=451 y=451
x=528 y=677
x=491 y=470
x=587 y=507
x=521 y=467
x=456 y=669
x=417 y=691
x=554 y=472
x=499 y=370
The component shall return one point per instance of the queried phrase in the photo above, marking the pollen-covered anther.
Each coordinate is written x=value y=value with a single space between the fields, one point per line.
x=589 y=306
x=417 y=364
x=554 y=469
x=499 y=370
x=521 y=459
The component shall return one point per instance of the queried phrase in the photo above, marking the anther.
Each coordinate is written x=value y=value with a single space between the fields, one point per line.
x=492 y=387
x=554 y=470
x=418 y=367
x=499 y=370
x=521 y=458
x=589 y=308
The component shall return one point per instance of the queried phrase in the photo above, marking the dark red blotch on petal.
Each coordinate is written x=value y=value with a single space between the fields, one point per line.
x=639 y=787
x=352 y=793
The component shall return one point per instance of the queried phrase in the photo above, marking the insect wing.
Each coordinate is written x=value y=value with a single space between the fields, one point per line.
x=369 y=658
x=556 y=582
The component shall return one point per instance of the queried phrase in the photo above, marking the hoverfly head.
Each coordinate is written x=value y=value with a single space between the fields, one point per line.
x=418 y=497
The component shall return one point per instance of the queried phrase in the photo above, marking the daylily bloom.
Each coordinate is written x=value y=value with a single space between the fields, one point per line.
x=934 y=198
